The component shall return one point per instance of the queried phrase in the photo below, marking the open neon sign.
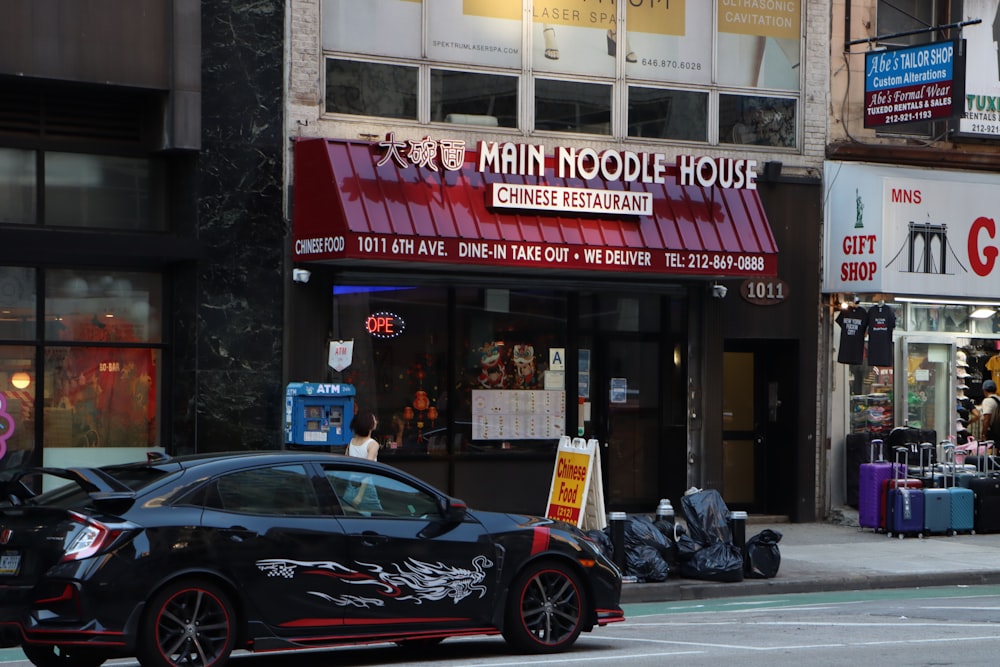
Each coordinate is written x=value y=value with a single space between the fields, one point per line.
x=385 y=325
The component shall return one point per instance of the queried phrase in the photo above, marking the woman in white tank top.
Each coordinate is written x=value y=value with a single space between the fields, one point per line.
x=361 y=493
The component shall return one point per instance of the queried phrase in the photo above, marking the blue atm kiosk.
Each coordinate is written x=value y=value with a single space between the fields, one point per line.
x=318 y=413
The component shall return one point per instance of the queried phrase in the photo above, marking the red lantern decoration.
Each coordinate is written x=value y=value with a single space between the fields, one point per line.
x=432 y=413
x=407 y=413
x=420 y=401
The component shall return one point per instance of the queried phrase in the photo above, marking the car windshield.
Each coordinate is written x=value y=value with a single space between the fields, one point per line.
x=69 y=494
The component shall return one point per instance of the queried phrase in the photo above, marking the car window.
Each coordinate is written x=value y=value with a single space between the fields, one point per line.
x=368 y=494
x=274 y=490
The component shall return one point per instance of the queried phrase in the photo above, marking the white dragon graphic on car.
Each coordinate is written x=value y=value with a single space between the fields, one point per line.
x=413 y=580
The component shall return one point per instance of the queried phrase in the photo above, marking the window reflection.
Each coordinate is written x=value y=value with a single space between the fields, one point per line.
x=104 y=191
x=570 y=106
x=17 y=186
x=103 y=306
x=473 y=99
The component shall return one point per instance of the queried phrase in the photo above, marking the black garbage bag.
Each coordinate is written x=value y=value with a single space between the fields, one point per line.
x=721 y=561
x=669 y=531
x=640 y=531
x=603 y=541
x=707 y=516
x=645 y=563
x=686 y=547
x=762 y=557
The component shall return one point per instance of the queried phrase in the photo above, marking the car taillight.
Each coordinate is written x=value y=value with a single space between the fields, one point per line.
x=90 y=539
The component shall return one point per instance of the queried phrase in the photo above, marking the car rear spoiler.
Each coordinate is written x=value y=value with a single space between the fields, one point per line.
x=102 y=488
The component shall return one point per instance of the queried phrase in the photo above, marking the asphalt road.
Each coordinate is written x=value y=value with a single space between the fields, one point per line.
x=929 y=626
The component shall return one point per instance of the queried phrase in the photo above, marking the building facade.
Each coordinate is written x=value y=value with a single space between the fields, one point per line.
x=465 y=256
x=910 y=246
x=142 y=224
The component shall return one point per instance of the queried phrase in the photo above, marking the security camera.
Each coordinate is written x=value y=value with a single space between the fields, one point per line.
x=719 y=291
x=301 y=275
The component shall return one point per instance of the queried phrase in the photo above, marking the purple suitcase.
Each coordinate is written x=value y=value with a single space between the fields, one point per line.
x=871 y=480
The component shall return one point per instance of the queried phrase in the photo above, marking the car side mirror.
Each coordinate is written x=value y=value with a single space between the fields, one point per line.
x=453 y=510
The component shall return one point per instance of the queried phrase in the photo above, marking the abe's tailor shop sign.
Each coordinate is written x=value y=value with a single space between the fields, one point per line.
x=913 y=84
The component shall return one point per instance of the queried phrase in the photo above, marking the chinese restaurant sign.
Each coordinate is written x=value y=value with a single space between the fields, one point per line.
x=528 y=205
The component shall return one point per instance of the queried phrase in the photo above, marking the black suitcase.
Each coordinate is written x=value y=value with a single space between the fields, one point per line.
x=986 y=487
x=858 y=451
x=909 y=437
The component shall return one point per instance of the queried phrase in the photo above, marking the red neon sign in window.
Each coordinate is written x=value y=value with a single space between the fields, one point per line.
x=384 y=325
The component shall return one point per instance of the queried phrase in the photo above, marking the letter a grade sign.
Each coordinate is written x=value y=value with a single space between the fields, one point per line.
x=576 y=495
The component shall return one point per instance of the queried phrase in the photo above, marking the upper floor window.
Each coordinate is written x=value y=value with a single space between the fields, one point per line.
x=642 y=68
x=82 y=190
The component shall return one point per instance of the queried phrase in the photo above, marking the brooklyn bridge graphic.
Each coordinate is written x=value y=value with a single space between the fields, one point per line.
x=927 y=251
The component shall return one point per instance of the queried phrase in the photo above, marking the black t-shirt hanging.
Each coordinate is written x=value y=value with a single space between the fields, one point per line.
x=853 y=323
x=881 y=322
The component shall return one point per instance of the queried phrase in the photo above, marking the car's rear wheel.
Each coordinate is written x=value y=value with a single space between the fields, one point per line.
x=545 y=609
x=48 y=655
x=189 y=623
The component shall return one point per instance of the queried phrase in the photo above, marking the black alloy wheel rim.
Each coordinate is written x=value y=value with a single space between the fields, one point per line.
x=550 y=607
x=193 y=629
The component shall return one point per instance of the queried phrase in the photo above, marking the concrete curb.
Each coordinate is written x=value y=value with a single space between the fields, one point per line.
x=688 y=589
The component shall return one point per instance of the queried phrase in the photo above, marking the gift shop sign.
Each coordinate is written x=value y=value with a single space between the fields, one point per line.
x=909 y=231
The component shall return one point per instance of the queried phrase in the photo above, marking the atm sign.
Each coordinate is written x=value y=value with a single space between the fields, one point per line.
x=385 y=325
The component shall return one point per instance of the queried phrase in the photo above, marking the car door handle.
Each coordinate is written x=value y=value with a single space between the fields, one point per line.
x=373 y=539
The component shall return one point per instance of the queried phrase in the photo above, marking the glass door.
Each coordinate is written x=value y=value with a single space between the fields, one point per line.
x=926 y=391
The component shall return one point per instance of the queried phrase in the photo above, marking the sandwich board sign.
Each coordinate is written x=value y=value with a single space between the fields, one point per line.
x=576 y=495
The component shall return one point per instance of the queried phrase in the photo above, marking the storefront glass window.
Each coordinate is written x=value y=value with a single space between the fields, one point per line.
x=17 y=303
x=509 y=396
x=18 y=382
x=467 y=98
x=104 y=191
x=101 y=397
x=108 y=307
x=371 y=89
x=399 y=363
x=17 y=186
x=456 y=371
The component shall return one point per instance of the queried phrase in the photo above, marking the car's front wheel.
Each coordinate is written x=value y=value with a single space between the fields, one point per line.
x=189 y=623
x=545 y=609
x=48 y=655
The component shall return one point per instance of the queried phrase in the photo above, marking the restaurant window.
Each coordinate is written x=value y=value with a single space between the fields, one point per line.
x=459 y=371
x=399 y=363
x=100 y=349
x=102 y=375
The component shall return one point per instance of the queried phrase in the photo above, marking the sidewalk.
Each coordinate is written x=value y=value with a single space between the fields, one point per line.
x=837 y=556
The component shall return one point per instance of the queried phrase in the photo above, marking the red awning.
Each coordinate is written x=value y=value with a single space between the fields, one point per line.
x=348 y=209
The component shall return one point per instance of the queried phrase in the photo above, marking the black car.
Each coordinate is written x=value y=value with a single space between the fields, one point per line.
x=180 y=561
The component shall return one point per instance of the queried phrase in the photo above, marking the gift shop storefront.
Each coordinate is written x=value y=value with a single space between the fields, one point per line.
x=912 y=279
x=485 y=299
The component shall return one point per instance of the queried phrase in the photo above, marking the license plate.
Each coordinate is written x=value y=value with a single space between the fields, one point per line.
x=10 y=563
